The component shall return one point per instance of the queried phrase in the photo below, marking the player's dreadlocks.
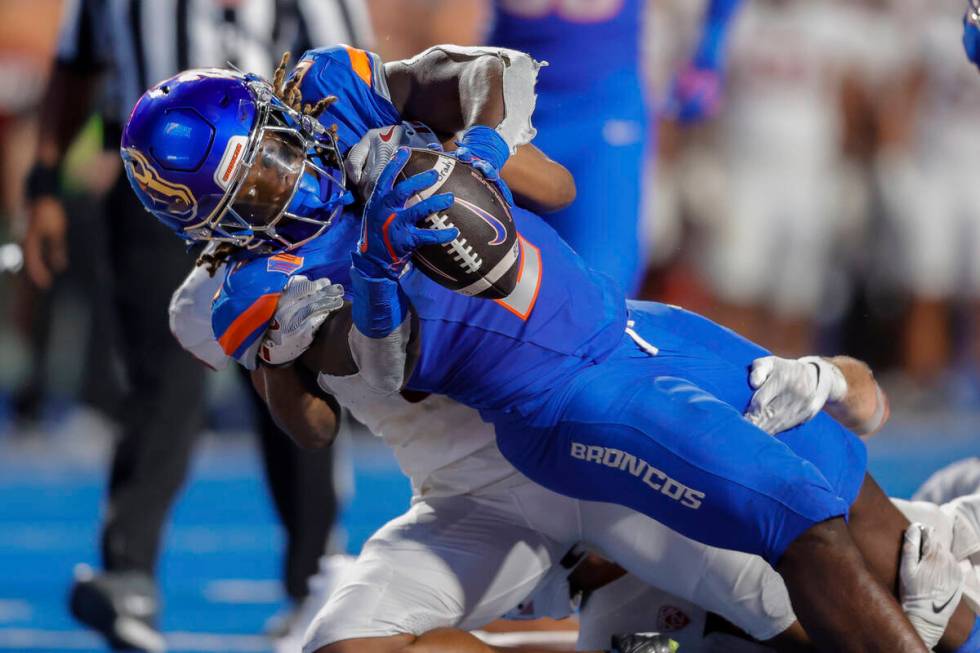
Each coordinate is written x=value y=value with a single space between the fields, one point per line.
x=215 y=258
x=289 y=93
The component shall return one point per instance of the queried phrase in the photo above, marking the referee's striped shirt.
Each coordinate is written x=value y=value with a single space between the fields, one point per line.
x=137 y=43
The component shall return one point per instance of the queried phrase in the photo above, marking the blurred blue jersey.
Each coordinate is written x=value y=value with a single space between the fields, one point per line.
x=591 y=117
x=585 y=41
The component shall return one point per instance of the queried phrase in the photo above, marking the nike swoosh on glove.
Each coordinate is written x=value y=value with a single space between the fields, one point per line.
x=930 y=583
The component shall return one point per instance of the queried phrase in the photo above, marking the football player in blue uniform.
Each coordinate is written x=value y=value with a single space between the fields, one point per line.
x=592 y=116
x=591 y=396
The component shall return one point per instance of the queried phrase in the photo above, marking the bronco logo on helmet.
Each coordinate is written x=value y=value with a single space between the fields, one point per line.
x=176 y=199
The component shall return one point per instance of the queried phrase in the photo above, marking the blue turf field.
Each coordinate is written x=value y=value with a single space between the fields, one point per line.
x=220 y=567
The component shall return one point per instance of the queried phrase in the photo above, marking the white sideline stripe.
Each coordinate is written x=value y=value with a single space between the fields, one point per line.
x=530 y=638
x=27 y=639
x=243 y=590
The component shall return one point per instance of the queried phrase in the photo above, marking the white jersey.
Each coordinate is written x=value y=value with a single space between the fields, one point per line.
x=958 y=479
x=441 y=445
x=783 y=83
x=948 y=130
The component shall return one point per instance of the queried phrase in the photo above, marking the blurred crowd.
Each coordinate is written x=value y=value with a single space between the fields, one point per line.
x=826 y=205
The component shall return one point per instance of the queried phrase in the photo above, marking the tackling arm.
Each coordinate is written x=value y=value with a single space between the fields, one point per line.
x=538 y=183
x=789 y=392
x=308 y=415
x=864 y=408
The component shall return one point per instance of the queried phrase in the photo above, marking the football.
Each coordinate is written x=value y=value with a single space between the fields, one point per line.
x=483 y=260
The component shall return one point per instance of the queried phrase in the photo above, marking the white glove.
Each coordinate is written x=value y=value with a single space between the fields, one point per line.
x=303 y=307
x=930 y=583
x=790 y=392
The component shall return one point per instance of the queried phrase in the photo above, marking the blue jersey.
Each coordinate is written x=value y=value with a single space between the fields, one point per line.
x=585 y=41
x=494 y=355
x=487 y=354
x=591 y=117
x=249 y=295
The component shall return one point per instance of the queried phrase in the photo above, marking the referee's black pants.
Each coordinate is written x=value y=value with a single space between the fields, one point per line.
x=163 y=408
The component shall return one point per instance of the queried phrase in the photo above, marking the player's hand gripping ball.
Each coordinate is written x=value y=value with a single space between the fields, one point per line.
x=390 y=231
x=449 y=218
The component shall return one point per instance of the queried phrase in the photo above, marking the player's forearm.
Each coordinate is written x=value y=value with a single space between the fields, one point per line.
x=66 y=107
x=453 y=89
x=449 y=93
x=538 y=183
x=864 y=409
x=308 y=417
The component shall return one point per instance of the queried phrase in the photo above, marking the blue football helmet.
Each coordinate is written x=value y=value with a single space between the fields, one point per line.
x=216 y=156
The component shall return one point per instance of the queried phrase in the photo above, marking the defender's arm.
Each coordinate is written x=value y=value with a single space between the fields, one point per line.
x=789 y=392
x=538 y=183
x=297 y=406
x=864 y=408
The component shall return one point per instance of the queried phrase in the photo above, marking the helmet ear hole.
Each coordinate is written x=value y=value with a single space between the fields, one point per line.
x=224 y=101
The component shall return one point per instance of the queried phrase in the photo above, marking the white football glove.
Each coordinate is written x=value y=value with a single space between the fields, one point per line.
x=790 y=392
x=303 y=307
x=930 y=583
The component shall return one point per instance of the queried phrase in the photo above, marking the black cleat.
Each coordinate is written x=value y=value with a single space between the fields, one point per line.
x=643 y=643
x=122 y=606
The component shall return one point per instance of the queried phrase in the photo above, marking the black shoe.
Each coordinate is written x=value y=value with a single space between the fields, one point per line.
x=643 y=643
x=122 y=606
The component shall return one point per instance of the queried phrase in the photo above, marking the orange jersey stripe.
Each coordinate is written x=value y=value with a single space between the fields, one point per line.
x=257 y=314
x=360 y=62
